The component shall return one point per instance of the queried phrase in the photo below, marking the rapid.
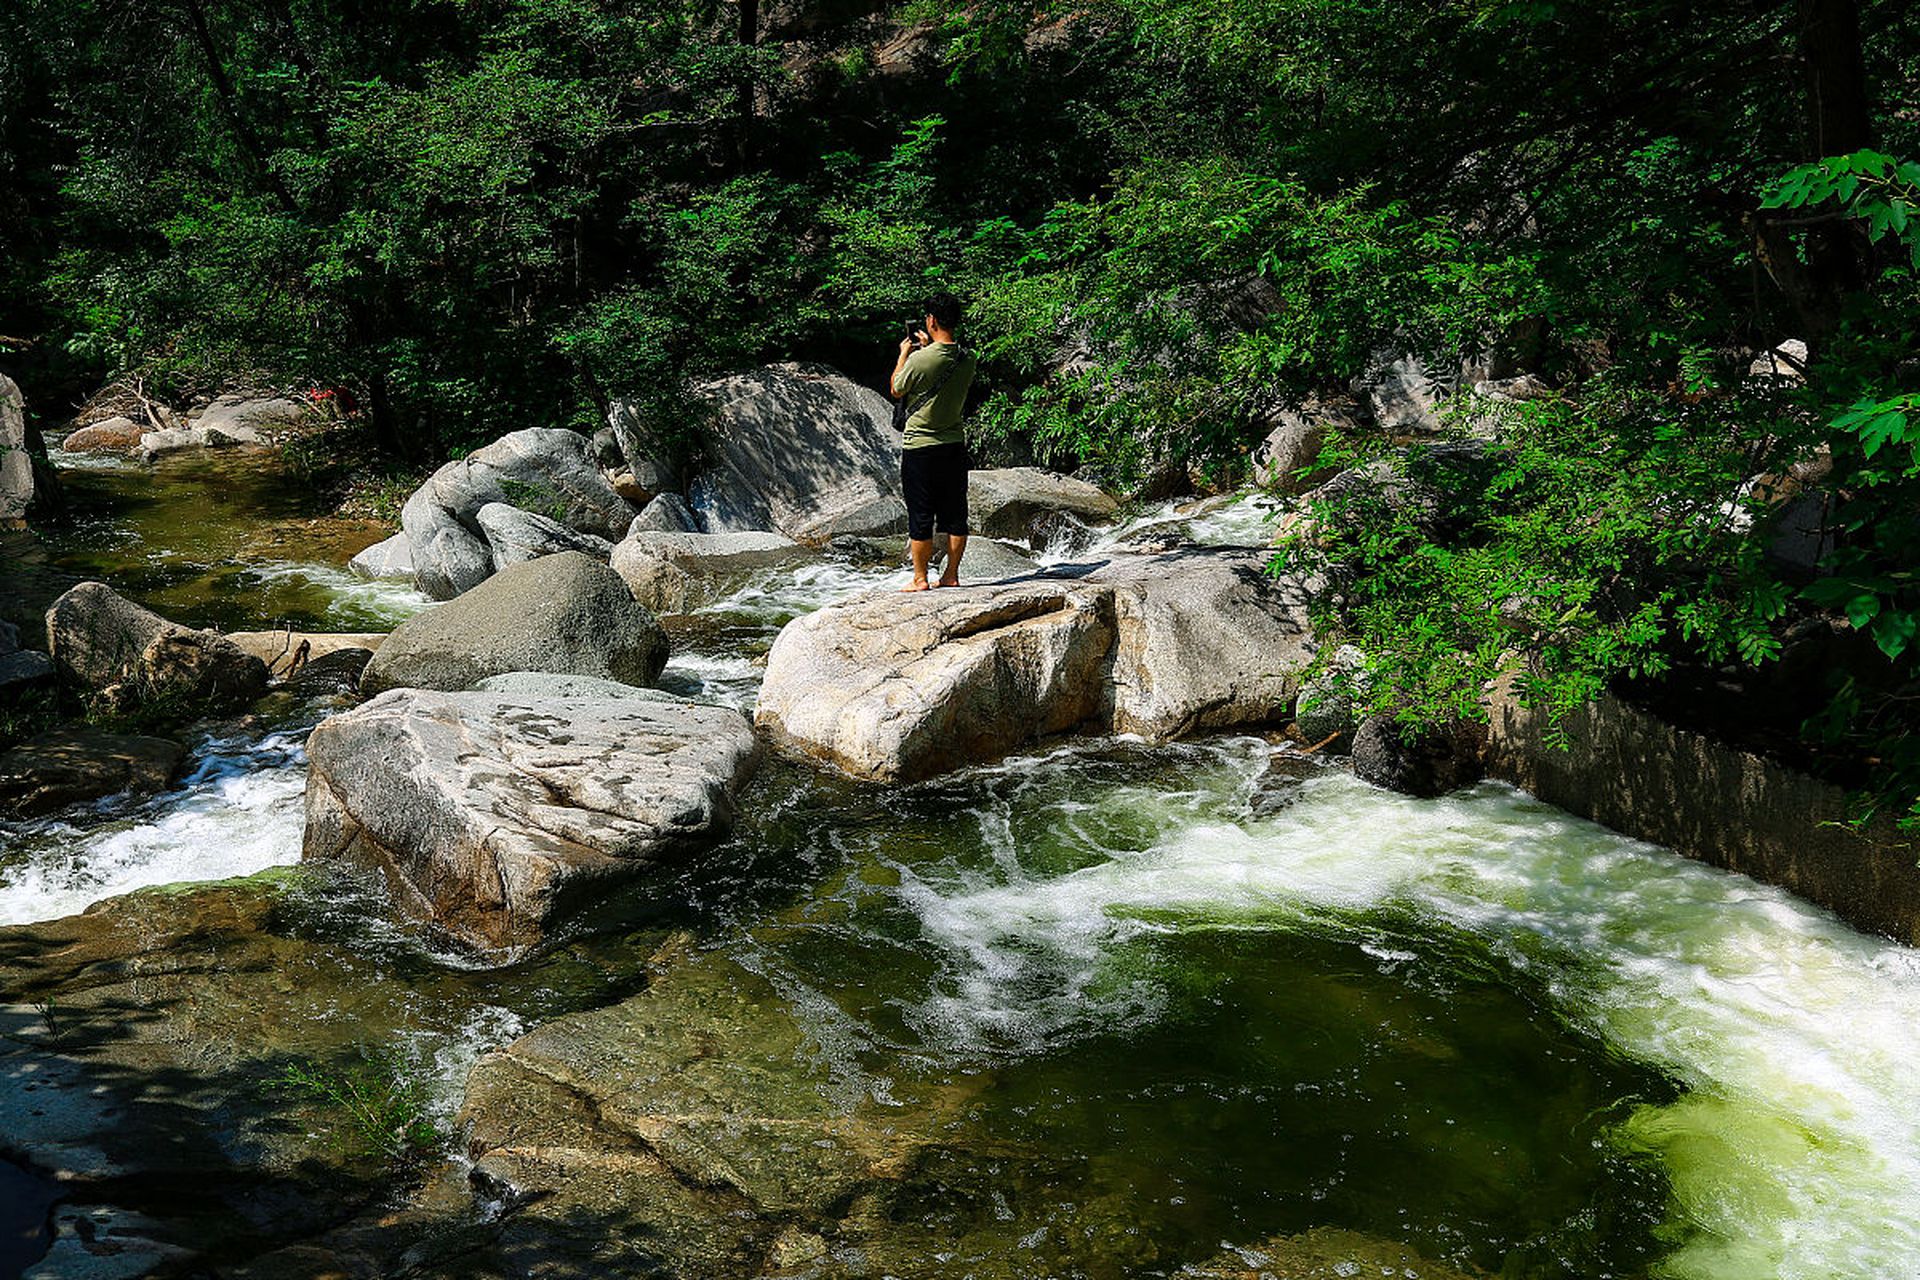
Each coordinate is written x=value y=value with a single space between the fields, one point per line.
x=1235 y=991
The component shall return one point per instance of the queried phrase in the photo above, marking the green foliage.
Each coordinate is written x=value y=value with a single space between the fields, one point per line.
x=378 y=1103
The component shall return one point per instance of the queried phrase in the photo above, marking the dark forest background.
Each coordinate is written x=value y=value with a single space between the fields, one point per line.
x=1171 y=219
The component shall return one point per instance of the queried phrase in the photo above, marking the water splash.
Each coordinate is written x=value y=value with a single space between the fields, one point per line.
x=1795 y=1152
x=238 y=811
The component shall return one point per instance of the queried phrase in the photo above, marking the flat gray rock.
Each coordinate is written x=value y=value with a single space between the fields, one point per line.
x=545 y=684
x=566 y=613
x=495 y=814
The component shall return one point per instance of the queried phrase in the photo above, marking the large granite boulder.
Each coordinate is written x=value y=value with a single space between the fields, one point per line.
x=675 y=572
x=109 y=435
x=565 y=613
x=800 y=450
x=1400 y=395
x=515 y=536
x=1206 y=639
x=16 y=463
x=544 y=470
x=906 y=686
x=116 y=648
x=69 y=766
x=388 y=558
x=494 y=814
x=1004 y=503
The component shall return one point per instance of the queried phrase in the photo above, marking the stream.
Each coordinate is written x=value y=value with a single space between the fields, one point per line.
x=1228 y=990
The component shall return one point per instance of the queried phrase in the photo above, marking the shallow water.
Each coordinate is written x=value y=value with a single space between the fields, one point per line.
x=1194 y=996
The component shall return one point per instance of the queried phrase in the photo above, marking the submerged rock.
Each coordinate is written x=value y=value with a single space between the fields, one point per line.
x=112 y=646
x=1004 y=503
x=1324 y=1253
x=388 y=558
x=495 y=814
x=564 y=613
x=544 y=470
x=70 y=766
x=801 y=450
x=907 y=686
x=145 y=1047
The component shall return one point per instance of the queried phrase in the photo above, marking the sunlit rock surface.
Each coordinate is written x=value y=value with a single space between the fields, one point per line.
x=494 y=815
x=908 y=686
x=564 y=613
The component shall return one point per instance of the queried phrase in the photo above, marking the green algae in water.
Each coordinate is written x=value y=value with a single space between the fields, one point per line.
x=1154 y=1080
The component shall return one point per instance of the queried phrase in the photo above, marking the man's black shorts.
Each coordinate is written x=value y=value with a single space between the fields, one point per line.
x=935 y=478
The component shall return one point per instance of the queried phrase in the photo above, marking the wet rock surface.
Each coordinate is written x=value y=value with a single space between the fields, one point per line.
x=564 y=613
x=72 y=765
x=139 y=1043
x=907 y=686
x=496 y=815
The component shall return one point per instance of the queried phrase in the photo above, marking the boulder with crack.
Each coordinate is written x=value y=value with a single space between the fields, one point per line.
x=493 y=815
x=902 y=687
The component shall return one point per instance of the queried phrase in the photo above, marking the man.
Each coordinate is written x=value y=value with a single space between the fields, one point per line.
x=931 y=379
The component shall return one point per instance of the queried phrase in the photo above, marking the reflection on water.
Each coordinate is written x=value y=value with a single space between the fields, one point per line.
x=222 y=538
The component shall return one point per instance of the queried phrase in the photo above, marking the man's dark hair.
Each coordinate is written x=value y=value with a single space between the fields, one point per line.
x=945 y=308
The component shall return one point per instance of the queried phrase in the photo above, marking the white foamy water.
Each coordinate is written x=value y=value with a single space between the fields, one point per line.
x=1794 y=1154
x=238 y=811
x=373 y=605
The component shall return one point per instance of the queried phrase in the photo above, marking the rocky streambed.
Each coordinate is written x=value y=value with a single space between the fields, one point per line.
x=1097 y=1005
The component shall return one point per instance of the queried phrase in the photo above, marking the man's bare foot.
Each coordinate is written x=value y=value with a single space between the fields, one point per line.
x=947 y=582
x=919 y=584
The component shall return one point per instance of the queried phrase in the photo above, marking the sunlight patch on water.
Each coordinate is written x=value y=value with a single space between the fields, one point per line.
x=239 y=811
x=1796 y=1151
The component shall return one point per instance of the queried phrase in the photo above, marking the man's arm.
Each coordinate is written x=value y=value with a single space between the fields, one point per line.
x=907 y=347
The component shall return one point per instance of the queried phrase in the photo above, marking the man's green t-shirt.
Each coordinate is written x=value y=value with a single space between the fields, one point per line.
x=937 y=421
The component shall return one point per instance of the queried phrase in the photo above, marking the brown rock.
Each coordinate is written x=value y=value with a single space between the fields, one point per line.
x=112 y=435
x=68 y=766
